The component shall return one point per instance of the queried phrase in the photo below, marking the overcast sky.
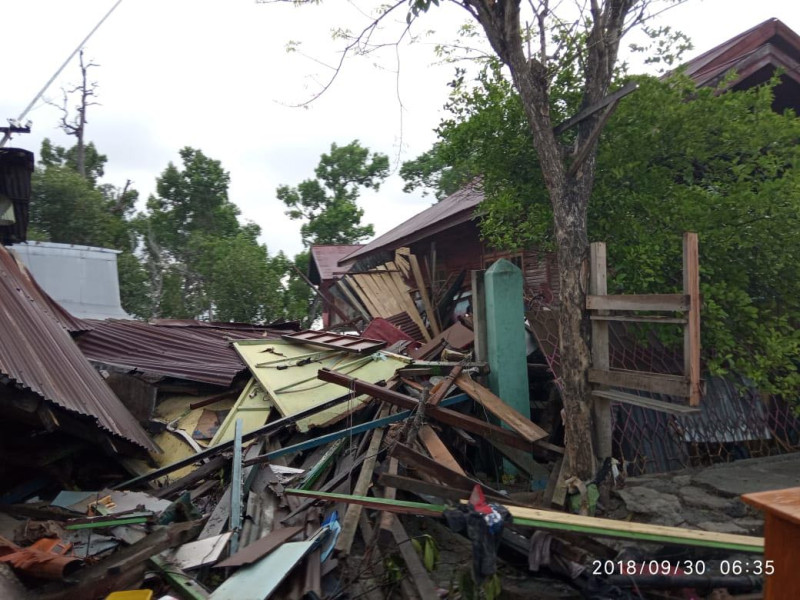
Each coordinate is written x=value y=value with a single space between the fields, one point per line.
x=215 y=75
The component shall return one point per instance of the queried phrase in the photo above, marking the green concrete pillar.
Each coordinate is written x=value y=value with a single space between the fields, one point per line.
x=505 y=337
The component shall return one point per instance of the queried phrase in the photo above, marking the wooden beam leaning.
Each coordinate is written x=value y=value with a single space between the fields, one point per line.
x=691 y=333
x=444 y=415
x=657 y=302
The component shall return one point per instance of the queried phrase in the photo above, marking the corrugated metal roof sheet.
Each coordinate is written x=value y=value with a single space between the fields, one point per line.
x=325 y=261
x=710 y=66
x=37 y=352
x=456 y=208
x=190 y=350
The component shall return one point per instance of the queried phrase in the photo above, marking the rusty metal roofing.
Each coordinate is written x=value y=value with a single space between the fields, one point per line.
x=38 y=353
x=189 y=350
x=453 y=210
x=325 y=259
x=769 y=43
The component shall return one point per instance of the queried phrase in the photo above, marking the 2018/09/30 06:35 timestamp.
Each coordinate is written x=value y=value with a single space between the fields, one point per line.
x=757 y=567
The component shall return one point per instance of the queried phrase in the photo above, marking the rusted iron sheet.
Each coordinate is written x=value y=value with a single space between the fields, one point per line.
x=38 y=354
x=337 y=341
x=456 y=208
x=198 y=353
x=325 y=261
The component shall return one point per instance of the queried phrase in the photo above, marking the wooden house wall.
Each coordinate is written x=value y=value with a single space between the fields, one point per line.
x=461 y=248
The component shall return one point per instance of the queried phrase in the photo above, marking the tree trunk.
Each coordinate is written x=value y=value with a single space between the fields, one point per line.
x=572 y=250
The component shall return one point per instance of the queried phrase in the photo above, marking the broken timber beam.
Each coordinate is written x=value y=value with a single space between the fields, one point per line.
x=444 y=415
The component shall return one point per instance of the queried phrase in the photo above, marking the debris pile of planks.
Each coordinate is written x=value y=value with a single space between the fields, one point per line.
x=328 y=477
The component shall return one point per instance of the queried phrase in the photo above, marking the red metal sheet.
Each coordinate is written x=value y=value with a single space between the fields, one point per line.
x=325 y=261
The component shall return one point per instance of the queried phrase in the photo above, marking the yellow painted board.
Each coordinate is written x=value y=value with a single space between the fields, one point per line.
x=253 y=407
x=174 y=448
x=295 y=387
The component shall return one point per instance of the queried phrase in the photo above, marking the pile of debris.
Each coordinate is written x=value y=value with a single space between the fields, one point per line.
x=328 y=469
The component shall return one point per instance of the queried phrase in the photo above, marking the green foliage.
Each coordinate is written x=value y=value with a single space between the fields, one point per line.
x=328 y=203
x=672 y=159
x=58 y=156
x=201 y=260
x=427 y=549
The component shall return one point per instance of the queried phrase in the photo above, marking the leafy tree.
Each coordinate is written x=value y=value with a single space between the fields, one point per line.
x=672 y=159
x=328 y=204
x=201 y=261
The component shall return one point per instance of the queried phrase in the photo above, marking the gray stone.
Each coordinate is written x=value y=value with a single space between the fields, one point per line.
x=699 y=498
x=663 y=508
x=682 y=480
x=722 y=527
x=752 y=475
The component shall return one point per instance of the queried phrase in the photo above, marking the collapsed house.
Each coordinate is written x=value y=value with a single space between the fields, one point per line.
x=191 y=459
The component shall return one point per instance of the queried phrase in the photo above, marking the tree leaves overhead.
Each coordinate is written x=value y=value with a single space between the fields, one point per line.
x=328 y=204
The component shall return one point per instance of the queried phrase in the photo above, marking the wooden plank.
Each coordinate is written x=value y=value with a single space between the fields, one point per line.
x=411 y=306
x=651 y=403
x=184 y=483
x=444 y=385
x=423 y=293
x=672 y=385
x=362 y=296
x=665 y=302
x=444 y=415
x=352 y=300
x=419 y=575
x=479 y=315
x=434 y=469
x=438 y=450
x=601 y=407
x=390 y=493
x=260 y=548
x=555 y=494
x=511 y=417
x=428 y=488
x=561 y=521
x=644 y=319
x=350 y=521
x=691 y=333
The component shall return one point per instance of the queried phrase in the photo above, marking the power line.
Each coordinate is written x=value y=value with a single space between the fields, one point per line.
x=7 y=135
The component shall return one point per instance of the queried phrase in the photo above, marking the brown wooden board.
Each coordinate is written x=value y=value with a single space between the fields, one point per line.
x=657 y=302
x=260 y=548
x=691 y=333
x=672 y=385
x=438 y=450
